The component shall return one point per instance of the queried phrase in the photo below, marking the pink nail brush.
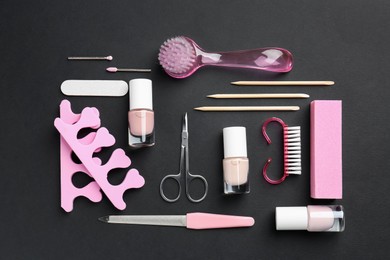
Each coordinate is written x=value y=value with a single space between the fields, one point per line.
x=195 y=220
x=181 y=57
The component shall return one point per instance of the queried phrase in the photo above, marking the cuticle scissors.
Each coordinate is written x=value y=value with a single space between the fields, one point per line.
x=184 y=169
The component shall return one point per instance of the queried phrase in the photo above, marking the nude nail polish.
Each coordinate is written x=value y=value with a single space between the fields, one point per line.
x=235 y=162
x=311 y=218
x=141 y=114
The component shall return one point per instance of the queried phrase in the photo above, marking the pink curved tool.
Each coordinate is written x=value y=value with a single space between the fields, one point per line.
x=85 y=150
x=291 y=150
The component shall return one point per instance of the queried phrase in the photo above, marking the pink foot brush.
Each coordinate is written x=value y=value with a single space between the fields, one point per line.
x=181 y=56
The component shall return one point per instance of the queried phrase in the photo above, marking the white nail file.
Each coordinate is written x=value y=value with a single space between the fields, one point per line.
x=106 y=88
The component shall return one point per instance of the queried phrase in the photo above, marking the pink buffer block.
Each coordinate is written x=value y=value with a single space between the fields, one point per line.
x=85 y=149
x=326 y=149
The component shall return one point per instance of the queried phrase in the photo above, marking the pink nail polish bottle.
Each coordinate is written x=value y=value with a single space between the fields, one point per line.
x=311 y=218
x=235 y=162
x=141 y=114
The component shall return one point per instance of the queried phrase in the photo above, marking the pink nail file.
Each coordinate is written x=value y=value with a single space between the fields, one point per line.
x=68 y=167
x=326 y=149
x=85 y=152
x=197 y=220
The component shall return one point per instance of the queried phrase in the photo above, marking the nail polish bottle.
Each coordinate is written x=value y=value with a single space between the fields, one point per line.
x=141 y=114
x=311 y=218
x=235 y=162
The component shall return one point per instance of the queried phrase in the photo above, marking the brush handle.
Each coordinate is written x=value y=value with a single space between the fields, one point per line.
x=267 y=59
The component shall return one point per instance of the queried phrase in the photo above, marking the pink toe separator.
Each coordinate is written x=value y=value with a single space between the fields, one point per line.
x=68 y=167
x=84 y=149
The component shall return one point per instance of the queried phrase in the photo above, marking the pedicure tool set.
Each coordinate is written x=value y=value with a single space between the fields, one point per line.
x=180 y=57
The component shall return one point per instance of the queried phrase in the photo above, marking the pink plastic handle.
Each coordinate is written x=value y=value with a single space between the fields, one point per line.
x=210 y=221
x=268 y=59
x=264 y=131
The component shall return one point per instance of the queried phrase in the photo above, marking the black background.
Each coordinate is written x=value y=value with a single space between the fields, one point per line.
x=344 y=41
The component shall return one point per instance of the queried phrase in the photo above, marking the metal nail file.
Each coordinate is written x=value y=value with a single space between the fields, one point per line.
x=195 y=220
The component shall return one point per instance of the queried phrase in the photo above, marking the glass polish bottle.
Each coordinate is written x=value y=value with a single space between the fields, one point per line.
x=329 y=218
x=235 y=162
x=141 y=114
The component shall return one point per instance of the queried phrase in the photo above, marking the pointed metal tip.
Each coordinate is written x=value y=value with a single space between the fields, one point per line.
x=104 y=219
x=185 y=122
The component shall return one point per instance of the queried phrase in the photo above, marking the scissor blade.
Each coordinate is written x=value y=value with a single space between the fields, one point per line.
x=157 y=220
x=184 y=127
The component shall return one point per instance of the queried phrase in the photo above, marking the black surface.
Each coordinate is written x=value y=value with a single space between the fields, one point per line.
x=344 y=41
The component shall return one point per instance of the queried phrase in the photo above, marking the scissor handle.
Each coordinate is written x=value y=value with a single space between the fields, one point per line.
x=175 y=177
x=189 y=179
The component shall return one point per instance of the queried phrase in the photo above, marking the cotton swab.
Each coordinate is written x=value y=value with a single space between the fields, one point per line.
x=265 y=95
x=283 y=83
x=114 y=69
x=109 y=58
x=247 y=108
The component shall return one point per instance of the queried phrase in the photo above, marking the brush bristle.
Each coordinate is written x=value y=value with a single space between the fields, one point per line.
x=177 y=55
x=292 y=159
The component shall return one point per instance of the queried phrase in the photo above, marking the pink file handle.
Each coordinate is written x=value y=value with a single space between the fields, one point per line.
x=211 y=221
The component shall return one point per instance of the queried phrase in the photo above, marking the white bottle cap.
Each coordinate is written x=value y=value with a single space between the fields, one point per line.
x=291 y=218
x=234 y=141
x=140 y=94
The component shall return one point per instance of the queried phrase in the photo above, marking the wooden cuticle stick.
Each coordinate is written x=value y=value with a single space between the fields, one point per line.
x=282 y=83
x=262 y=95
x=246 y=108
